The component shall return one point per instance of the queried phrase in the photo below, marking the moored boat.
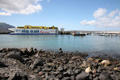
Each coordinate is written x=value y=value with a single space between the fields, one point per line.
x=34 y=30
x=78 y=34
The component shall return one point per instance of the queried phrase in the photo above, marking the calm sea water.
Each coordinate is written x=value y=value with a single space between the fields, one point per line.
x=92 y=44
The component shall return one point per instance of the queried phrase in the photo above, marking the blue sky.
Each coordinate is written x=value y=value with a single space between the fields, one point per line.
x=69 y=14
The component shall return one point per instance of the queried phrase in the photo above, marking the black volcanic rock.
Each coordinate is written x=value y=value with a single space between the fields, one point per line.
x=14 y=65
x=15 y=56
x=105 y=76
x=82 y=76
x=2 y=65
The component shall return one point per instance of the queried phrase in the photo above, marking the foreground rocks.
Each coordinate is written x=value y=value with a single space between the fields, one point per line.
x=33 y=64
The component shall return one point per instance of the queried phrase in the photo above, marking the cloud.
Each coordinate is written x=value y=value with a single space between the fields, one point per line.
x=48 y=0
x=61 y=25
x=5 y=14
x=98 y=13
x=84 y=22
x=9 y=7
x=104 y=20
x=113 y=13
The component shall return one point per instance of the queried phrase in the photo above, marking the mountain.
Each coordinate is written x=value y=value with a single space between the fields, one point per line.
x=4 y=27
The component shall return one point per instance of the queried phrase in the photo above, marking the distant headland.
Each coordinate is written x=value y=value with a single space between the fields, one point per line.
x=4 y=28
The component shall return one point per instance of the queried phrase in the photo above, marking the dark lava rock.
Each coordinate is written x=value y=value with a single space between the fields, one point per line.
x=15 y=56
x=105 y=76
x=18 y=76
x=49 y=60
x=3 y=50
x=70 y=72
x=35 y=50
x=60 y=50
x=50 y=65
x=60 y=68
x=117 y=77
x=90 y=76
x=2 y=55
x=97 y=78
x=65 y=67
x=12 y=49
x=72 y=77
x=37 y=62
x=66 y=78
x=55 y=73
x=51 y=78
x=59 y=76
x=28 y=61
x=31 y=51
x=114 y=77
x=2 y=65
x=24 y=51
x=47 y=69
x=77 y=71
x=82 y=76
x=65 y=74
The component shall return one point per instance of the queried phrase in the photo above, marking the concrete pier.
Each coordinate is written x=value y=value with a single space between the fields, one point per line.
x=91 y=32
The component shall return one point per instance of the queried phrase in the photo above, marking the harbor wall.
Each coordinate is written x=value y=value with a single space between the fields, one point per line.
x=90 y=32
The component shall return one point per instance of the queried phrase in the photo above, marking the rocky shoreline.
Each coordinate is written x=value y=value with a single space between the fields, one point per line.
x=33 y=64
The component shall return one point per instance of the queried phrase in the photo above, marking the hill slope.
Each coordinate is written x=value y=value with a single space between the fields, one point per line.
x=4 y=27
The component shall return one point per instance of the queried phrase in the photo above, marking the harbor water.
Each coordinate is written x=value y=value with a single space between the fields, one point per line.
x=91 y=44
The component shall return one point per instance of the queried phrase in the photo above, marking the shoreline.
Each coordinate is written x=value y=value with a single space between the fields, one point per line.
x=90 y=53
x=33 y=64
x=4 y=32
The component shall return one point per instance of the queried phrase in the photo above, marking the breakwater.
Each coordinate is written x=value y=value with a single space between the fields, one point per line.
x=89 y=32
x=33 y=64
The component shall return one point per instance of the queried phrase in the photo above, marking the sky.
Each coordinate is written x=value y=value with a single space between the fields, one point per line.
x=93 y=15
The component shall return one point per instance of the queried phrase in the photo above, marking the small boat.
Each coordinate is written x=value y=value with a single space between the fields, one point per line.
x=78 y=34
x=104 y=34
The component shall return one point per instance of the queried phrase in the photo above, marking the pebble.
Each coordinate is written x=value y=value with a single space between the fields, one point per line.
x=46 y=65
x=40 y=73
x=105 y=62
x=87 y=70
x=94 y=71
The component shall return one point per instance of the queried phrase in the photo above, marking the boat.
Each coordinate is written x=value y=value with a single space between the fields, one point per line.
x=78 y=34
x=34 y=30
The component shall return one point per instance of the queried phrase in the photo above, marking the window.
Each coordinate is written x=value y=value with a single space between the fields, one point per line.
x=27 y=31
x=36 y=31
x=16 y=30
x=23 y=30
x=31 y=31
